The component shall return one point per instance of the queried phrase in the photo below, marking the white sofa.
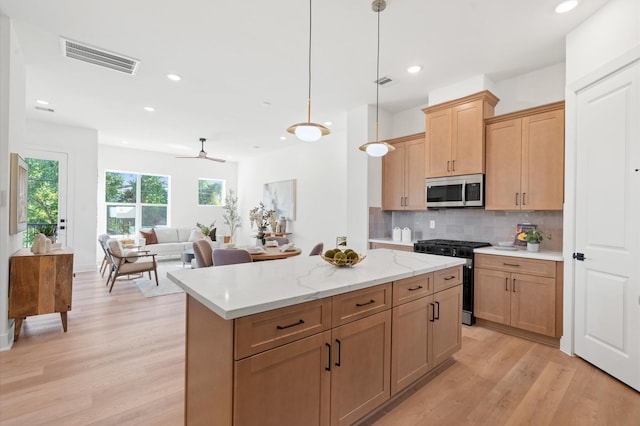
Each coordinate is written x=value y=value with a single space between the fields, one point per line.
x=171 y=241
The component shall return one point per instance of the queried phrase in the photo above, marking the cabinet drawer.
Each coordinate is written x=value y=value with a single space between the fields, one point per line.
x=447 y=278
x=412 y=288
x=266 y=330
x=542 y=268
x=360 y=303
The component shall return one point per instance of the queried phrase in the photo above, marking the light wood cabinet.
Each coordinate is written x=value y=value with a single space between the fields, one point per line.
x=390 y=246
x=518 y=292
x=39 y=284
x=455 y=137
x=427 y=326
x=525 y=159
x=403 y=174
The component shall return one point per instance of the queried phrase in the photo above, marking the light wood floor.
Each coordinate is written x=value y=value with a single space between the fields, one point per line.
x=122 y=362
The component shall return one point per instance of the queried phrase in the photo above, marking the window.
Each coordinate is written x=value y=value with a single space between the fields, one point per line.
x=135 y=201
x=211 y=192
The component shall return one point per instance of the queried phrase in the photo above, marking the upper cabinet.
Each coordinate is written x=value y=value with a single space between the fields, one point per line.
x=403 y=174
x=525 y=159
x=454 y=138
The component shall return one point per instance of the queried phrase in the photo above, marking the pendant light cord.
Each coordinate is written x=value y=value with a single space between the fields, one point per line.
x=377 y=72
x=309 y=95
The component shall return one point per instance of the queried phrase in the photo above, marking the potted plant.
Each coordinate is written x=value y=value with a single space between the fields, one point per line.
x=261 y=217
x=206 y=230
x=231 y=217
x=534 y=237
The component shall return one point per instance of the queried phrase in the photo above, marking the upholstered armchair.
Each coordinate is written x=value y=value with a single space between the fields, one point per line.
x=203 y=253
x=128 y=262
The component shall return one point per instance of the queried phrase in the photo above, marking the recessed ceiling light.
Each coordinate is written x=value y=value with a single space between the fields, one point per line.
x=174 y=77
x=282 y=138
x=566 y=6
x=256 y=147
x=328 y=123
x=414 y=69
x=266 y=104
x=42 y=102
x=149 y=109
x=124 y=142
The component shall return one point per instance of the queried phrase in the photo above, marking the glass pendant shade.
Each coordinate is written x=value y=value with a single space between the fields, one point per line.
x=308 y=133
x=377 y=149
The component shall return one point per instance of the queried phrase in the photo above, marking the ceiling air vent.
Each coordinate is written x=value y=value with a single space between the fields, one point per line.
x=97 y=56
x=383 y=80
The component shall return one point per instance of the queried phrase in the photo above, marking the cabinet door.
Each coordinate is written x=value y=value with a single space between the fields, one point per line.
x=410 y=342
x=467 y=140
x=533 y=303
x=288 y=385
x=504 y=153
x=543 y=161
x=414 y=176
x=360 y=375
x=446 y=333
x=393 y=174
x=492 y=295
x=438 y=143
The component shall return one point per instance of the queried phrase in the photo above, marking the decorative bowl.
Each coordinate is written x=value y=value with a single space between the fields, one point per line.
x=347 y=262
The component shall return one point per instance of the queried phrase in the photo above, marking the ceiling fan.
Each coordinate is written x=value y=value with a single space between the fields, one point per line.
x=203 y=154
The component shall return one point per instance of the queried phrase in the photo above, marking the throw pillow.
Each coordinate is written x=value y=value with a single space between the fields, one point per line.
x=131 y=256
x=150 y=237
x=196 y=235
x=212 y=234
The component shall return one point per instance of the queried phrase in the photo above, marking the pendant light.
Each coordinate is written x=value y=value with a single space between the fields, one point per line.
x=308 y=131
x=377 y=149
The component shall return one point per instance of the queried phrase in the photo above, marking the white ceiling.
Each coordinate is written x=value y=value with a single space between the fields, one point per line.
x=234 y=56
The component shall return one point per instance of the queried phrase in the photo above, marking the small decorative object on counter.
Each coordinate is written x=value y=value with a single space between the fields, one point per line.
x=406 y=235
x=337 y=257
x=397 y=234
x=534 y=237
x=341 y=241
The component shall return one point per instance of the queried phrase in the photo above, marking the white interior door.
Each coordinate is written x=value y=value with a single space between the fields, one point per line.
x=61 y=160
x=607 y=282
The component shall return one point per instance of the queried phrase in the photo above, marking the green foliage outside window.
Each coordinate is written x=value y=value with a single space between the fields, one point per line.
x=42 y=197
x=210 y=192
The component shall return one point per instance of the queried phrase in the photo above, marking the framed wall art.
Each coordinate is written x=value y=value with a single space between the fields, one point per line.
x=18 y=195
x=281 y=197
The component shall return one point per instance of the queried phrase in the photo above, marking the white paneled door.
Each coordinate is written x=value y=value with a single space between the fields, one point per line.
x=607 y=281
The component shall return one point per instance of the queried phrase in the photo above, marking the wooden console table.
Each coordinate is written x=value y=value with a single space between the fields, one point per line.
x=39 y=284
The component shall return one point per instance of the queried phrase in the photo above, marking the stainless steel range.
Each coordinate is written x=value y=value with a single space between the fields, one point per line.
x=462 y=249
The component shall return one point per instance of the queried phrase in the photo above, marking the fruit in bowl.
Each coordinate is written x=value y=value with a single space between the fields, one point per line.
x=339 y=257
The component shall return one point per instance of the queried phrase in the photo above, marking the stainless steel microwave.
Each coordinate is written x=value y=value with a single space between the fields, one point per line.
x=455 y=191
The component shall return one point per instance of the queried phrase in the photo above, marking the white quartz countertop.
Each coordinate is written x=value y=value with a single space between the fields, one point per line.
x=542 y=255
x=391 y=241
x=234 y=291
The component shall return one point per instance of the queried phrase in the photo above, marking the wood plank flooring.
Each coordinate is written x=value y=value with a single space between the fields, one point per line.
x=122 y=363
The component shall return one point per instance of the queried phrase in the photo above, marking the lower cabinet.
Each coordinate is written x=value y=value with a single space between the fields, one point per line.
x=528 y=301
x=324 y=362
x=427 y=329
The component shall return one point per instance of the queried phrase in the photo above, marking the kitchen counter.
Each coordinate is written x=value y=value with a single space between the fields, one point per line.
x=542 y=255
x=391 y=241
x=235 y=291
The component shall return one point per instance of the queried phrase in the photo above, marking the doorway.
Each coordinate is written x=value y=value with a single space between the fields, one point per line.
x=46 y=196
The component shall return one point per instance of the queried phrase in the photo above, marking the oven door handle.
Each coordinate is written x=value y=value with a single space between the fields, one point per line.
x=464 y=192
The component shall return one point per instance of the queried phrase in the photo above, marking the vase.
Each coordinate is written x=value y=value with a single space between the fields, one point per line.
x=533 y=247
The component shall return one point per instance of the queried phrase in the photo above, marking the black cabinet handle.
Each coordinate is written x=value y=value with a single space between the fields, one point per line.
x=415 y=288
x=453 y=166
x=516 y=198
x=511 y=264
x=449 y=278
x=448 y=162
x=328 y=367
x=523 y=199
x=433 y=313
x=506 y=284
x=339 y=352
x=282 y=327
x=359 y=305
x=438 y=316
x=514 y=285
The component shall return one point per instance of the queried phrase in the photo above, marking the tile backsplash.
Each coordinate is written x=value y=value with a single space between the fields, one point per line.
x=466 y=224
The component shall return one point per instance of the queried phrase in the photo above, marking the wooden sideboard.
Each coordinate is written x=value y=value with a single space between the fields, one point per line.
x=39 y=284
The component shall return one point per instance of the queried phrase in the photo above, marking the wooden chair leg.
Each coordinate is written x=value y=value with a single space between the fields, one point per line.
x=113 y=281
x=155 y=271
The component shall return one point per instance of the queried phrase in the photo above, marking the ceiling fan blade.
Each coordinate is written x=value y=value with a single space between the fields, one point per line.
x=189 y=157
x=219 y=160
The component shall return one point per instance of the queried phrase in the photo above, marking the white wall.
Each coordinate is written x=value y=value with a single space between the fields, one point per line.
x=529 y=90
x=184 y=174
x=319 y=169
x=81 y=148
x=603 y=43
x=12 y=122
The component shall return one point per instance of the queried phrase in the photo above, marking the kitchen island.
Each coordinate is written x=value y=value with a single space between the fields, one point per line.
x=299 y=341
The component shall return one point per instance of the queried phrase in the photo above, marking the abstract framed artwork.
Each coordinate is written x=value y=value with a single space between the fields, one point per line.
x=18 y=195
x=281 y=197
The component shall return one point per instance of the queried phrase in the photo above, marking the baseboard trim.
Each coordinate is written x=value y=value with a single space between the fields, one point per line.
x=6 y=340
